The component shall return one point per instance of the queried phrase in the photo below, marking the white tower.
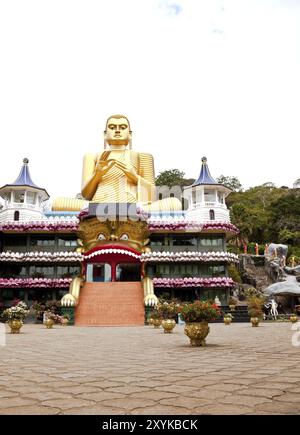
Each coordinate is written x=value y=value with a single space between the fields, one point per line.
x=206 y=198
x=22 y=199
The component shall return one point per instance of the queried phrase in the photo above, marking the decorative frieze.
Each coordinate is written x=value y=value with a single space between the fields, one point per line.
x=193 y=282
x=166 y=256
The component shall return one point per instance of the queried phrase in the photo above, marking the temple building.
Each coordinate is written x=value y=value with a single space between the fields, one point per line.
x=188 y=255
x=114 y=252
x=38 y=255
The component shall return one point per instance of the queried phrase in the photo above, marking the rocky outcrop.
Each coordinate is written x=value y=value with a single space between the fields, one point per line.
x=254 y=272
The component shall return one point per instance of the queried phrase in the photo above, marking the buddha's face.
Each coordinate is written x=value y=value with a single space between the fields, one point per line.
x=117 y=131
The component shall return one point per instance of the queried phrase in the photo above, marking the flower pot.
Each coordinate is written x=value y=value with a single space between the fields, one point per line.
x=254 y=321
x=150 y=321
x=15 y=326
x=232 y=307
x=294 y=318
x=156 y=323
x=49 y=323
x=64 y=322
x=168 y=325
x=197 y=332
x=227 y=320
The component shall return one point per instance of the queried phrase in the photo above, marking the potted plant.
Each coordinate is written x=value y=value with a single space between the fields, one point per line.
x=39 y=309
x=15 y=316
x=294 y=318
x=51 y=318
x=168 y=311
x=196 y=316
x=65 y=319
x=156 y=318
x=232 y=303
x=227 y=318
x=255 y=309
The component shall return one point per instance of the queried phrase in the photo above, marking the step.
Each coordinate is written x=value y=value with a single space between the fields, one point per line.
x=110 y=304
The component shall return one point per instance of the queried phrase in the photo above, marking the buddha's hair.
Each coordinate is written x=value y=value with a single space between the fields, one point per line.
x=117 y=117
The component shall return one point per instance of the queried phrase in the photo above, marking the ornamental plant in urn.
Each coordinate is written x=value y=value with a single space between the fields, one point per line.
x=294 y=318
x=168 y=311
x=232 y=303
x=51 y=318
x=156 y=318
x=196 y=316
x=255 y=304
x=15 y=316
x=227 y=318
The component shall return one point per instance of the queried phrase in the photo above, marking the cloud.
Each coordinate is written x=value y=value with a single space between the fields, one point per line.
x=171 y=8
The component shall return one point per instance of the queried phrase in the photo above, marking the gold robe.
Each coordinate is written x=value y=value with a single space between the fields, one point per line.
x=114 y=186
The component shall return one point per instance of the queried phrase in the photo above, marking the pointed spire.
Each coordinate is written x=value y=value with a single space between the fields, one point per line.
x=24 y=178
x=205 y=176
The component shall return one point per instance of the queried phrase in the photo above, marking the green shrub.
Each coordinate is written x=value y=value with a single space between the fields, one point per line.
x=234 y=273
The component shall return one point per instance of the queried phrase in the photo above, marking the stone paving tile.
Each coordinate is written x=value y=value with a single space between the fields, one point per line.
x=207 y=394
x=103 y=384
x=153 y=395
x=151 y=383
x=224 y=387
x=126 y=379
x=9 y=402
x=239 y=381
x=30 y=410
x=4 y=393
x=101 y=395
x=140 y=371
x=289 y=397
x=128 y=403
x=67 y=403
x=47 y=395
x=127 y=390
x=161 y=410
x=176 y=388
x=279 y=408
x=95 y=410
x=222 y=409
x=274 y=385
x=78 y=389
x=293 y=390
x=186 y=402
x=33 y=388
x=244 y=400
x=202 y=382
x=261 y=392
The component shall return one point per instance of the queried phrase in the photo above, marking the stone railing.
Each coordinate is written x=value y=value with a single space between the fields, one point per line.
x=44 y=257
x=167 y=256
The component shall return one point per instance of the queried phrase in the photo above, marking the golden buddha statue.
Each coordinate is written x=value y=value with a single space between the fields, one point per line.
x=118 y=174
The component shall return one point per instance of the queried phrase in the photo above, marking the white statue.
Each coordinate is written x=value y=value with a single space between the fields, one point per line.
x=217 y=301
x=273 y=310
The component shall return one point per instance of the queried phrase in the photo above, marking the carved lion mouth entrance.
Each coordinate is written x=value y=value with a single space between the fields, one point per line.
x=112 y=263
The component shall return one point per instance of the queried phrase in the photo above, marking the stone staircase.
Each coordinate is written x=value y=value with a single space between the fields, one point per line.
x=110 y=304
x=240 y=314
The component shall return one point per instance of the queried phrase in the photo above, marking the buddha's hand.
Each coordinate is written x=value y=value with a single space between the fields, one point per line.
x=103 y=166
x=128 y=171
x=150 y=300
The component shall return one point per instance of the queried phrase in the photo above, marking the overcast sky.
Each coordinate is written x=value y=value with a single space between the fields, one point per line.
x=215 y=78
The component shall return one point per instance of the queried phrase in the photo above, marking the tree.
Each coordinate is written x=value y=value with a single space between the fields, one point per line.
x=296 y=184
x=231 y=182
x=173 y=177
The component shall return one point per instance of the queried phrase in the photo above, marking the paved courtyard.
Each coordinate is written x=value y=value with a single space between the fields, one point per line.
x=140 y=370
